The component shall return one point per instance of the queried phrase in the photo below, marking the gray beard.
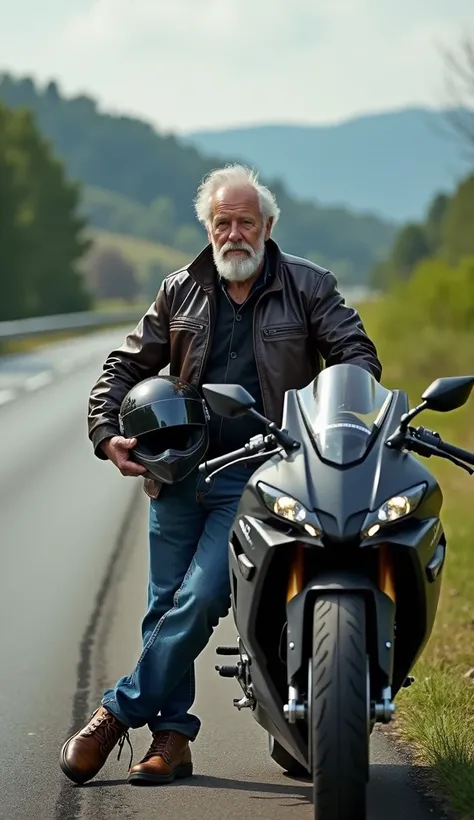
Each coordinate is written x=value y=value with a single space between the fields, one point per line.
x=242 y=269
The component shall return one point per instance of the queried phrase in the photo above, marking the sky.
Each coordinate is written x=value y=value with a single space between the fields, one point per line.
x=188 y=65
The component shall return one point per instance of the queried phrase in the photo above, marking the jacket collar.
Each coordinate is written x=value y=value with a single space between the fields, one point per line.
x=203 y=269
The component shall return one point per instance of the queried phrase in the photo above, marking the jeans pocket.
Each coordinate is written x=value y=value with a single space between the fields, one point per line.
x=202 y=488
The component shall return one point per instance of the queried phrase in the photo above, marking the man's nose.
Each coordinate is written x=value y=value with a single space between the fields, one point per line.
x=235 y=234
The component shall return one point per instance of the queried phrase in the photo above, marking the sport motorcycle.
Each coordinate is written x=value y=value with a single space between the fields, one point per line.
x=336 y=559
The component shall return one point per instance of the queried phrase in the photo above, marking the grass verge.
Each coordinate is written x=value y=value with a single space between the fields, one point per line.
x=436 y=715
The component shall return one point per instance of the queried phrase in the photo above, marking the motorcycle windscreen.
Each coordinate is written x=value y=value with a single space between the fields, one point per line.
x=344 y=408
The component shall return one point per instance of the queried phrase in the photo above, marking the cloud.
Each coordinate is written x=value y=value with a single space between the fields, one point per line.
x=187 y=64
x=224 y=26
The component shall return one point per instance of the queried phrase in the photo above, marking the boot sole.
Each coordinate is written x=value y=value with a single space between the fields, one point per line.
x=181 y=772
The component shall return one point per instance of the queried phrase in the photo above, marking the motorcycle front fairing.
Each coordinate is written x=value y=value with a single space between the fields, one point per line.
x=342 y=483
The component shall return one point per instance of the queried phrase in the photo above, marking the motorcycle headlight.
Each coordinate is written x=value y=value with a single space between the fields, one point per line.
x=290 y=509
x=395 y=508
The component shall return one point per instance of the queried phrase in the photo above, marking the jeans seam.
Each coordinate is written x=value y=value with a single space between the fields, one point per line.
x=154 y=634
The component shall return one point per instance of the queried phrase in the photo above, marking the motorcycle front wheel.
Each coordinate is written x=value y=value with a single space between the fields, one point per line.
x=340 y=708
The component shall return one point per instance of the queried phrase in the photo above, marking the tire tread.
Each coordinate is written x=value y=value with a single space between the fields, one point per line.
x=339 y=708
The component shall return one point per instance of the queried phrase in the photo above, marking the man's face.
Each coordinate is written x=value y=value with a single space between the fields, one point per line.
x=237 y=233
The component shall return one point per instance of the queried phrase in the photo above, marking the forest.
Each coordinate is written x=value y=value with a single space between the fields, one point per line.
x=71 y=172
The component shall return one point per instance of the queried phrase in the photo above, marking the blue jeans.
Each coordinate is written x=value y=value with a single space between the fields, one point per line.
x=188 y=592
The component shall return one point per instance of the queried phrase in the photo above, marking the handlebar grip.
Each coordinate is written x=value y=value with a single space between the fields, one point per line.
x=456 y=452
x=221 y=461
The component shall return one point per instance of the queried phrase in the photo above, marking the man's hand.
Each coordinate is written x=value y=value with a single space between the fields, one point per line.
x=117 y=450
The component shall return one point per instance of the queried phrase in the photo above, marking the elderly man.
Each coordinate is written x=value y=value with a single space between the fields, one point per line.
x=242 y=312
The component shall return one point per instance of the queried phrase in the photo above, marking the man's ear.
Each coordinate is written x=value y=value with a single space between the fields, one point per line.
x=268 y=228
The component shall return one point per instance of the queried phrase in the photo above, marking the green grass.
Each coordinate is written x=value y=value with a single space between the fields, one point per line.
x=140 y=252
x=436 y=715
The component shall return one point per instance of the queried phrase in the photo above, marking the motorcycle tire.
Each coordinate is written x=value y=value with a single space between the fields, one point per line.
x=340 y=708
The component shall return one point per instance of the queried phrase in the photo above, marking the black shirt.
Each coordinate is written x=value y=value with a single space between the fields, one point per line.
x=232 y=361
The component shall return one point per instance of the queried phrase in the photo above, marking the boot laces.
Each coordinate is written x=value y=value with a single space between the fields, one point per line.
x=107 y=730
x=158 y=745
x=125 y=737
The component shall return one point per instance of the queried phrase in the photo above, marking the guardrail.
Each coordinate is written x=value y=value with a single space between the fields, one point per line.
x=18 y=329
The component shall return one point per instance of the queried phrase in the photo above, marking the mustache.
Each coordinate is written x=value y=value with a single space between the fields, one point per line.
x=237 y=246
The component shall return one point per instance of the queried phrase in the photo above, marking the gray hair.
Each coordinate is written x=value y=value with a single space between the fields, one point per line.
x=233 y=176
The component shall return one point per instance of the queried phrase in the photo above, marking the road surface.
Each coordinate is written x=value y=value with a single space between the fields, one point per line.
x=72 y=594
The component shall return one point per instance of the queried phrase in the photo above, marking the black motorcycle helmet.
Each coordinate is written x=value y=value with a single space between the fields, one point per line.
x=169 y=419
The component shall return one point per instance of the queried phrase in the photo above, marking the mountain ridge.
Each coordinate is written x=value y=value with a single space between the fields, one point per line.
x=390 y=164
x=136 y=180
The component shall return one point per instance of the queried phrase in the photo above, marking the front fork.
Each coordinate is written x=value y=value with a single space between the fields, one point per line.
x=381 y=711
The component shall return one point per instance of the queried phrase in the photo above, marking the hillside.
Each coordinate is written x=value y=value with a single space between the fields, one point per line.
x=142 y=253
x=391 y=164
x=141 y=182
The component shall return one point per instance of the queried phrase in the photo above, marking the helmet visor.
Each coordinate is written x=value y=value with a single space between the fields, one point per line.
x=168 y=413
x=171 y=441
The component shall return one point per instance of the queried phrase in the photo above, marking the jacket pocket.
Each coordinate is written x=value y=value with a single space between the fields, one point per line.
x=277 y=333
x=186 y=323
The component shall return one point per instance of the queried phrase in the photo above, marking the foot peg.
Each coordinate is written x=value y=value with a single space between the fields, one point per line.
x=228 y=671
x=243 y=703
x=227 y=650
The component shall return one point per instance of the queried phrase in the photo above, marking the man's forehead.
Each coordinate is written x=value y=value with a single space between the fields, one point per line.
x=236 y=198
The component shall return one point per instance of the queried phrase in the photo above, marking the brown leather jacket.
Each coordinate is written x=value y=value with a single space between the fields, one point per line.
x=299 y=318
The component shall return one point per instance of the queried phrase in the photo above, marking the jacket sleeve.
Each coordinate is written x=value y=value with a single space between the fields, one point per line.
x=338 y=331
x=144 y=352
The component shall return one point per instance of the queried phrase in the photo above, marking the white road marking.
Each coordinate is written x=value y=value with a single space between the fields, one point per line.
x=64 y=367
x=41 y=379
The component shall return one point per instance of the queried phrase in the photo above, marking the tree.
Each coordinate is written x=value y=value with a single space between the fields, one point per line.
x=435 y=221
x=411 y=246
x=12 y=235
x=112 y=276
x=55 y=235
x=458 y=225
x=43 y=233
x=460 y=86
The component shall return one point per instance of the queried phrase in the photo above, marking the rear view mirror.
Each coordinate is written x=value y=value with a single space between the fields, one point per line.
x=444 y=395
x=228 y=400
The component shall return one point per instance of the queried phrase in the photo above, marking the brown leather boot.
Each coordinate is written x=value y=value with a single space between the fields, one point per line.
x=85 y=752
x=168 y=757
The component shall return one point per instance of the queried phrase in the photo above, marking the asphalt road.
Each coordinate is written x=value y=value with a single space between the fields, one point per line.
x=72 y=594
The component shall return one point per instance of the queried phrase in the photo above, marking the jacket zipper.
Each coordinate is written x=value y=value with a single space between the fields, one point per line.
x=210 y=333
x=255 y=352
x=275 y=331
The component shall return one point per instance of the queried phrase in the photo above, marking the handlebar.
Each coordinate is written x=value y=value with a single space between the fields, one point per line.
x=427 y=443
x=221 y=461
x=257 y=445
x=456 y=452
